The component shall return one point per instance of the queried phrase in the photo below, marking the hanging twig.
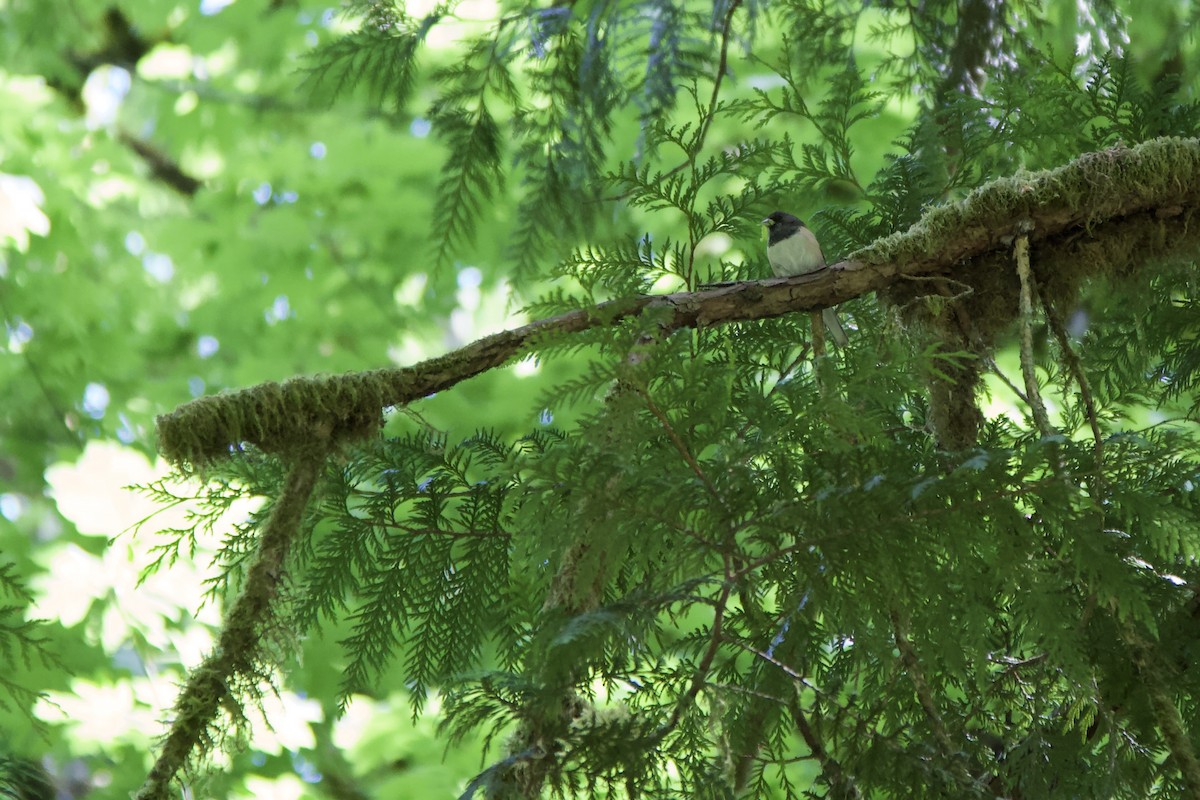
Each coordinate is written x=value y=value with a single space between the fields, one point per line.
x=1085 y=389
x=1036 y=405
x=830 y=765
x=912 y=668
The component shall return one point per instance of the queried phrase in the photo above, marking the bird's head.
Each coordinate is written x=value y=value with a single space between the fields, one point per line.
x=782 y=218
x=780 y=225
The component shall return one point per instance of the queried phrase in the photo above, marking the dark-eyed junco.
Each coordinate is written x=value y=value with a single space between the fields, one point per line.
x=793 y=250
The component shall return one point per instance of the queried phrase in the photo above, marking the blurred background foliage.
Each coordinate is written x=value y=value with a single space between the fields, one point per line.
x=203 y=195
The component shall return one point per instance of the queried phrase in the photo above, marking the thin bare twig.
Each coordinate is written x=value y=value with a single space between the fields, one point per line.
x=912 y=667
x=1012 y=387
x=715 y=637
x=831 y=766
x=680 y=447
x=722 y=67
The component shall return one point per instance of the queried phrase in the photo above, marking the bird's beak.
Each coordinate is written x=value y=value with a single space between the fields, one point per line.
x=766 y=222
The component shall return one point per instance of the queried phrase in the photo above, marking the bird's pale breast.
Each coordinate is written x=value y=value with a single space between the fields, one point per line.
x=796 y=255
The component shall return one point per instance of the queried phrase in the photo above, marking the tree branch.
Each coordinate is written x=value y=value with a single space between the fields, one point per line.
x=1104 y=213
x=162 y=166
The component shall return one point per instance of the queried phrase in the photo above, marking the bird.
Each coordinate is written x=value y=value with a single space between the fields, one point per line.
x=792 y=249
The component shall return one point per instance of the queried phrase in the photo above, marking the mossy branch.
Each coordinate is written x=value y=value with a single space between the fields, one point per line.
x=1106 y=212
x=235 y=667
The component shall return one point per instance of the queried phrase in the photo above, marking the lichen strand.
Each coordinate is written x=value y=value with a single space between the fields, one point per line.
x=283 y=418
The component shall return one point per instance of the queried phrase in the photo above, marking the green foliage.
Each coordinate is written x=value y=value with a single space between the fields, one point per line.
x=1126 y=109
x=562 y=134
x=23 y=642
x=21 y=779
x=380 y=55
x=422 y=547
x=206 y=517
x=558 y=79
x=710 y=564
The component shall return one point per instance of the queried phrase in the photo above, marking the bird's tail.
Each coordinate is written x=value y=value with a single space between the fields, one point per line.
x=834 y=326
